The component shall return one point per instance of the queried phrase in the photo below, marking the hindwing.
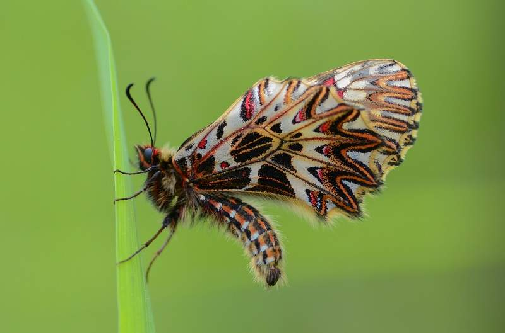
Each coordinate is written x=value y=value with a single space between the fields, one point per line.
x=324 y=141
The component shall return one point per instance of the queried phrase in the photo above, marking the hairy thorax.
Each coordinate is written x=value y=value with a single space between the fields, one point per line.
x=164 y=184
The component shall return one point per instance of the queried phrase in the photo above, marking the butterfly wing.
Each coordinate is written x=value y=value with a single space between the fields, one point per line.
x=324 y=141
x=386 y=90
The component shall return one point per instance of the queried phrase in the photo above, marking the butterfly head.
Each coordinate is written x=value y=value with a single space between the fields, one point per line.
x=148 y=156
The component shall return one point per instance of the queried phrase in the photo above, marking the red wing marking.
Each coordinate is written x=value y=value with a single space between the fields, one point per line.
x=325 y=140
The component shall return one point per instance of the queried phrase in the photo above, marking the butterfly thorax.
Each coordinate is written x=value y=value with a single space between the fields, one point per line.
x=163 y=183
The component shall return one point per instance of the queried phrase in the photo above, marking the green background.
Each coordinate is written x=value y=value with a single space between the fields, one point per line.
x=429 y=256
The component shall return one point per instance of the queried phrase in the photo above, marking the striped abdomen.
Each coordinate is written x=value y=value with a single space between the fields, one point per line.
x=248 y=225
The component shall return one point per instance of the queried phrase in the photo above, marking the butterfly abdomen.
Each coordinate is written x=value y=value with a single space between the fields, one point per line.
x=247 y=224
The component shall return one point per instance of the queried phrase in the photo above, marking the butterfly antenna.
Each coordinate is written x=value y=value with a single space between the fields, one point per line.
x=148 y=92
x=138 y=109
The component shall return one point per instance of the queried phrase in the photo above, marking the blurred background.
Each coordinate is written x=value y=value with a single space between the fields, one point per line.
x=429 y=257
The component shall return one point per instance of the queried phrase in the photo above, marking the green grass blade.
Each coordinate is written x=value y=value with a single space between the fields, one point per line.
x=134 y=310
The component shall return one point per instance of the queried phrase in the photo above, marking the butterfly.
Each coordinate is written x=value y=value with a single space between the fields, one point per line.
x=321 y=143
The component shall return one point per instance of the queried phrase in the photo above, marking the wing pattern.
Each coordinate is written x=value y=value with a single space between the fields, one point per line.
x=325 y=141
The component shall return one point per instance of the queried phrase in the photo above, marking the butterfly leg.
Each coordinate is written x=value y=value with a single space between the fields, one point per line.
x=171 y=221
x=132 y=173
x=256 y=233
x=142 y=190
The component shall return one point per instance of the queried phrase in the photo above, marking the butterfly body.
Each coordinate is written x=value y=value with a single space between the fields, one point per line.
x=322 y=143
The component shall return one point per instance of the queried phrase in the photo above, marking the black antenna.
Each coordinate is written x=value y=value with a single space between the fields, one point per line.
x=138 y=109
x=148 y=92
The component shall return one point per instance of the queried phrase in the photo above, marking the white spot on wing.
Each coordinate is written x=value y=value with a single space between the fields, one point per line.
x=399 y=116
x=302 y=164
x=351 y=185
x=356 y=124
x=329 y=104
x=298 y=92
x=359 y=156
x=360 y=84
x=391 y=69
x=402 y=83
x=389 y=134
x=397 y=101
x=355 y=95
x=343 y=83
x=380 y=158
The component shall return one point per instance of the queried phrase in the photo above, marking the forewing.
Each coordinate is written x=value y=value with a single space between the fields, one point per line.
x=386 y=90
x=318 y=140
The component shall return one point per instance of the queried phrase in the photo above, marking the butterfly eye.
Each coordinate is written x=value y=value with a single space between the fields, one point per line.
x=148 y=154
